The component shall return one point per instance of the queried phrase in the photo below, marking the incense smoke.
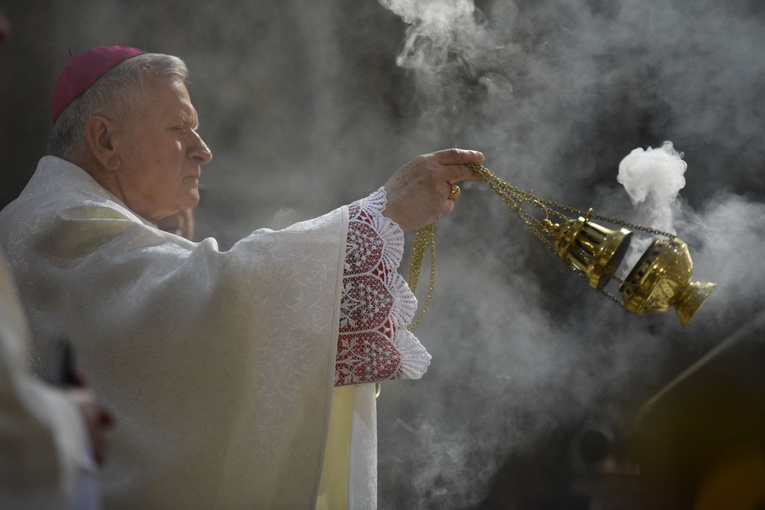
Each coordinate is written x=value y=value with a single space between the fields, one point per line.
x=310 y=105
x=652 y=178
x=556 y=96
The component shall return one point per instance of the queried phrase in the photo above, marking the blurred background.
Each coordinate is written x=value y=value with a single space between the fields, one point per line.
x=538 y=392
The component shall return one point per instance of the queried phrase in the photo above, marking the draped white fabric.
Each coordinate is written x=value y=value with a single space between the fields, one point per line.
x=219 y=366
x=42 y=434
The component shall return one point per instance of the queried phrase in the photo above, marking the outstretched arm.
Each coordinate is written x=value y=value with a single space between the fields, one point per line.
x=377 y=306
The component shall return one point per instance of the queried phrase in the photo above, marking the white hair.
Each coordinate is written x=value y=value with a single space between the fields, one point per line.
x=119 y=91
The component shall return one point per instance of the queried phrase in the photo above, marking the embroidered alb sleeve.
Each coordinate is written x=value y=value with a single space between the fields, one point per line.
x=377 y=305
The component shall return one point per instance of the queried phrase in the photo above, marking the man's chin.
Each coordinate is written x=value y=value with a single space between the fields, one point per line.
x=190 y=199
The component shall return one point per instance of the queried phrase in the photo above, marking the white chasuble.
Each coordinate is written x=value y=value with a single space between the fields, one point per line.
x=218 y=366
x=43 y=441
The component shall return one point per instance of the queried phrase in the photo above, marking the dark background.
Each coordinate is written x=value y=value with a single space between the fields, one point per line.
x=535 y=378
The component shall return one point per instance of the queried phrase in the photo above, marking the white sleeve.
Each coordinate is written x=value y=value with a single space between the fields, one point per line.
x=377 y=305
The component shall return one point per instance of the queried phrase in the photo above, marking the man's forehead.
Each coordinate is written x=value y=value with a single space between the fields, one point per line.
x=171 y=91
x=169 y=101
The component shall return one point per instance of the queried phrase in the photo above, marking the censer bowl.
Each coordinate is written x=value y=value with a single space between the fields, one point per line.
x=662 y=279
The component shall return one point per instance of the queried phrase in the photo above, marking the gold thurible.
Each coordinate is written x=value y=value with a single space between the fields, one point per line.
x=662 y=280
x=590 y=248
x=659 y=281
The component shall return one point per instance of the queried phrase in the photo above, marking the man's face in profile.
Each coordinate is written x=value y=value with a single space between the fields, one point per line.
x=160 y=152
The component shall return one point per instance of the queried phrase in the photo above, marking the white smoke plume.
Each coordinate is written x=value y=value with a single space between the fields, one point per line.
x=311 y=105
x=534 y=97
x=653 y=179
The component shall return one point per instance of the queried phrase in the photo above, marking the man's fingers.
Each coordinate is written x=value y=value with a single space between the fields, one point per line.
x=463 y=173
x=457 y=157
x=455 y=160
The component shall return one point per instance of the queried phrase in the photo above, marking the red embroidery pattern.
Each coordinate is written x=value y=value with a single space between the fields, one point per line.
x=376 y=305
x=365 y=352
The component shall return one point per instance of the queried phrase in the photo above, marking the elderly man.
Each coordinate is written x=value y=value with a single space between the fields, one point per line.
x=240 y=378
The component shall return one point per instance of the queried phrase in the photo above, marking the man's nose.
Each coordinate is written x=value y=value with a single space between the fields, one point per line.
x=200 y=151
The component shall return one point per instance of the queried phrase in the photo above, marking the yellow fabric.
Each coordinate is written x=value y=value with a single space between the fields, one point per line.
x=333 y=489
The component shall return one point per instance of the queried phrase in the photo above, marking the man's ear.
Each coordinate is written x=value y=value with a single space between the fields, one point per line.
x=99 y=136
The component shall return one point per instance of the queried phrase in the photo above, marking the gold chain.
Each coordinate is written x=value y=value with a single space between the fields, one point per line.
x=515 y=199
x=424 y=238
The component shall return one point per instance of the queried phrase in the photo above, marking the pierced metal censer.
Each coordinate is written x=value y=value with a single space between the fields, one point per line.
x=660 y=280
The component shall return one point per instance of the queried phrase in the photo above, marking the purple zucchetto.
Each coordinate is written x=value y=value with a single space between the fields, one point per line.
x=83 y=70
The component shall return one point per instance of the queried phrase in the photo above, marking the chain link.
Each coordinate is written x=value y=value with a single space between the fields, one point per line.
x=525 y=197
x=515 y=199
x=424 y=238
x=602 y=291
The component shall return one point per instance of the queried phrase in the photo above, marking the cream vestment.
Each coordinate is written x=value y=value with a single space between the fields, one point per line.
x=43 y=448
x=218 y=365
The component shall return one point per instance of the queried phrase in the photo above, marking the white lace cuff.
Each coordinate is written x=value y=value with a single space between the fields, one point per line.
x=377 y=305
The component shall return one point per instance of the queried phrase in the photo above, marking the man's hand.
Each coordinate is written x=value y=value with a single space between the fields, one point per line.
x=418 y=192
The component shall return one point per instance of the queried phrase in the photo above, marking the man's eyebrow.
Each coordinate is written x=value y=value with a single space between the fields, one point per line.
x=190 y=117
x=189 y=120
